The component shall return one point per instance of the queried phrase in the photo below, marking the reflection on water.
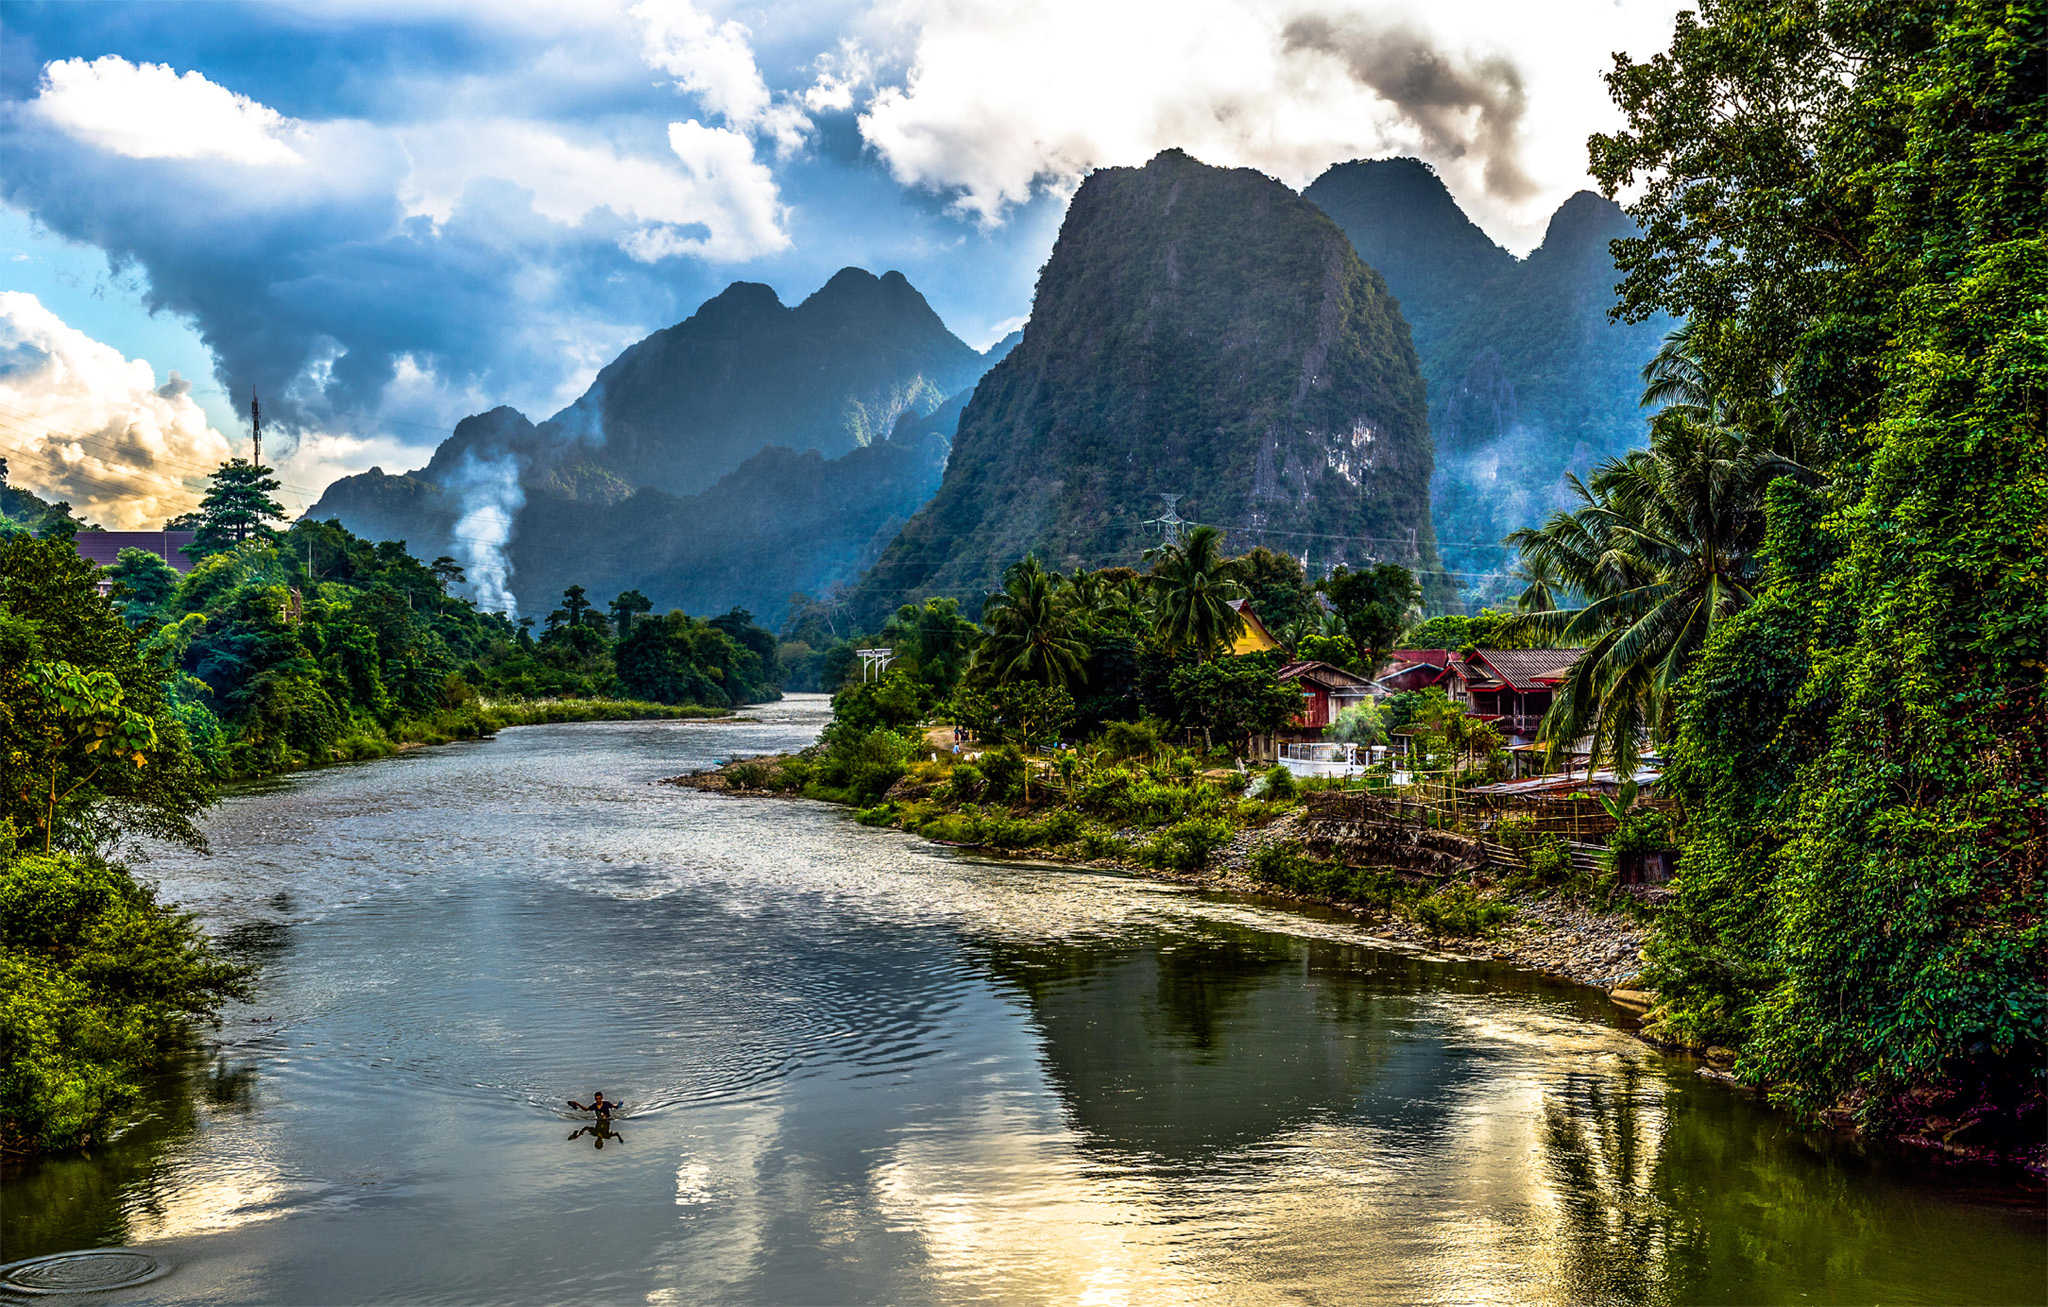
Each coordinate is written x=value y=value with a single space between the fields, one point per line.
x=864 y=1069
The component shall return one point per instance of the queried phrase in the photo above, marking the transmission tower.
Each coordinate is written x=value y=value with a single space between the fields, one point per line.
x=1170 y=522
x=256 y=429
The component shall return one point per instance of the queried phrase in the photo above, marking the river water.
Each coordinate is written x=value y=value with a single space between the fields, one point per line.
x=861 y=1068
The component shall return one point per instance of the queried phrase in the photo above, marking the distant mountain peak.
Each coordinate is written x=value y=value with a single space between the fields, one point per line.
x=1199 y=330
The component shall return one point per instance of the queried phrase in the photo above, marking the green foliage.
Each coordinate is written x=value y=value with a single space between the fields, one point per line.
x=1002 y=773
x=143 y=581
x=1360 y=724
x=237 y=508
x=1233 y=698
x=1131 y=741
x=1860 y=905
x=1286 y=867
x=1280 y=784
x=1186 y=845
x=1031 y=635
x=935 y=640
x=1374 y=604
x=1278 y=589
x=1020 y=712
x=676 y=658
x=1456 y=912
x=1491 y=628
x=1193 y=585
x=97 y=979
x=91 y=748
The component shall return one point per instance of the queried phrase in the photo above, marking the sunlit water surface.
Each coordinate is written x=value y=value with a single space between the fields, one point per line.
x=862 y=1068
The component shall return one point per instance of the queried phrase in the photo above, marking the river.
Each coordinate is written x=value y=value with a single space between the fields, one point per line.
x=861 y=1068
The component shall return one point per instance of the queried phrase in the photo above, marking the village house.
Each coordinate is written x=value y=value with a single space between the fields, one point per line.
x=1511 y=688
x=104 y=548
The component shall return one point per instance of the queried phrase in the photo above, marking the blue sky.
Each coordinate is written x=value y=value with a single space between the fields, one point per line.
x=387 y=215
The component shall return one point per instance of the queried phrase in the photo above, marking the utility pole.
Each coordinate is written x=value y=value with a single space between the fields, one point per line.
x=256 y=428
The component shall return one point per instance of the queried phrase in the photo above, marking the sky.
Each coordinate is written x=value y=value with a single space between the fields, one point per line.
x=384 y=216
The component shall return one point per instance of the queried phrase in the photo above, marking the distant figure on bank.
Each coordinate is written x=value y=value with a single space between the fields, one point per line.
x=598 y=1105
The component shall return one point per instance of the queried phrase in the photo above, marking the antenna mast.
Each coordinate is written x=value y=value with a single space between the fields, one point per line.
x=256 y=428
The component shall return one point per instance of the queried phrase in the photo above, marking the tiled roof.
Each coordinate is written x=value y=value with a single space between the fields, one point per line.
x=1527 y=669
x=1321 y=673
x=1434 y=657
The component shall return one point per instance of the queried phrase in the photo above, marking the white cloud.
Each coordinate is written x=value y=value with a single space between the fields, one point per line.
x=79 y=422
x=714 y=61
x=721 y=205
x=840 y=74
x=1003 y=98
x=148 y=111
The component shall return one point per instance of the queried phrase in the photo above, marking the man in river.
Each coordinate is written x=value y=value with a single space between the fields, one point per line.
x=598 y=1105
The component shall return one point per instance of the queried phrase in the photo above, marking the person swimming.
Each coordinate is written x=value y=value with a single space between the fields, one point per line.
x=598 y=1105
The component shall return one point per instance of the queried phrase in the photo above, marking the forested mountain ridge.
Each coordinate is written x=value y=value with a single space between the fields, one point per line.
x=1197 y=331
x=732 y=431
x=1528 y=379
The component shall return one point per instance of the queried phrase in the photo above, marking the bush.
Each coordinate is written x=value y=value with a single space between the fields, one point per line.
x=1099 y=845
x=1280 y=786
x=1125 y=741
x=1186 y=846
x=966 y=783
x=748 y=776
x=1516 y=834
x=1457 y=911
x=1003 y=771
x=882 y=814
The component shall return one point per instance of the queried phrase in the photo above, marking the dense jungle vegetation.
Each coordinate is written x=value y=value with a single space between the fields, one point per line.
x=121 y=715
x=1824 y=587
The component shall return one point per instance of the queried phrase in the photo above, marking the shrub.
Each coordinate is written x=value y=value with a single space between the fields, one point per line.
x=1457 y=911
x=1124 y=741
x=1098 y=844
x=966 y=784
x=1003 y=772
x=1516 y=834
x=1280 y=786
x=748 y=776
x=1186 y=846
x=882 y=814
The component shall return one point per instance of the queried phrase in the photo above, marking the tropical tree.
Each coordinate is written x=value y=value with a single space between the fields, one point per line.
x=1375 y=604
x=1194 y=585
x=625 y=607
x=1540 y=584
x=1663 y=546
x=1030 y=631
x=237 y=507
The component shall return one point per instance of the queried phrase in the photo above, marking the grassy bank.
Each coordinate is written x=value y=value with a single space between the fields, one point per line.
x=477 y=720
x=1160 y=812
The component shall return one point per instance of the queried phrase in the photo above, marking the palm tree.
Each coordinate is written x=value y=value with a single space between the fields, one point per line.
x=1540 y=584
x=1029 y=629
x=1663 y=546
x=1194 y=584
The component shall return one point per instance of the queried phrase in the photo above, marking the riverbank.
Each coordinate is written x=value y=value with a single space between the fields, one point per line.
x=1554 y=935
x=477 y=720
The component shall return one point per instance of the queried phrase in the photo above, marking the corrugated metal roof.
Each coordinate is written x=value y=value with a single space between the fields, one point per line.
x=1525 y=668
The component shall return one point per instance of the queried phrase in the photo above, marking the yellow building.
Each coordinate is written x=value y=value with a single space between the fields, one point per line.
x=1252 y=637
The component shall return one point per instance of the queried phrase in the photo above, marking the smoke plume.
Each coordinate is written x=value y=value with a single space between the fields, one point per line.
x=1462 y=106
x=491 y=498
